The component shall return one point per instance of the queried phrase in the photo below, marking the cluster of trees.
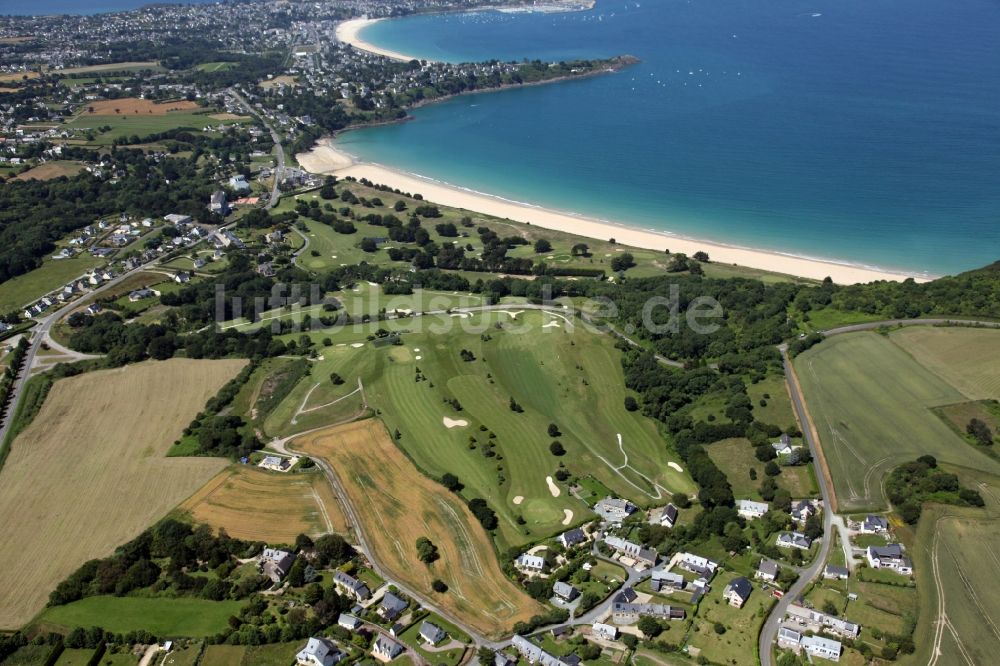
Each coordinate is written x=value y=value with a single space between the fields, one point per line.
x=912 y=484
x=13 y=369
x=35 y=213
x=179 y=548
x=979 y=431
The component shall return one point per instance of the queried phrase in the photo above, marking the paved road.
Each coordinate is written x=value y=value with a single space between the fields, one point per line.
x=770 y=629
x=908 y=322
x=275 y=192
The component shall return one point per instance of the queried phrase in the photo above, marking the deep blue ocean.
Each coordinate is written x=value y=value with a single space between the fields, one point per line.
x=51 y=7
x=865 y=131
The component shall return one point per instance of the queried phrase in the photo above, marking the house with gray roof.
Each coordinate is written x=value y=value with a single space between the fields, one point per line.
x=391 y=607
x=614 y=510
x=565 y=591
x=767 y=570
x=836 y=572
x=667 y=581
x=318 y=652
x=873 y=524
x=351 y=586
x=431 y=633
x=793 y=540
x=386 y=649
x=737 y=592
x=889 y=557
x=275 y=563
x=572 y=538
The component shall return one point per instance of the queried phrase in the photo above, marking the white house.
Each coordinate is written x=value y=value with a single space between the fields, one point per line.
x=318 y=652
x=793 y=540
x=530 y=563
x=889 y=557
x=873 y=524
x=606 y=632
x=767 y=570
x=751 y=510
x=737 y=592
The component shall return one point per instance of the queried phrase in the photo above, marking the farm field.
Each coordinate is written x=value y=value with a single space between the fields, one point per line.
x=160 y=615
x=955 y=561
x=53 y=169
x=94 y=458
x=966 y=358
x=401 y=505
x=137 y=117
x=735 y=457
x=52 y=274
x=557 y=372
x=852 y=384
x=258 y=505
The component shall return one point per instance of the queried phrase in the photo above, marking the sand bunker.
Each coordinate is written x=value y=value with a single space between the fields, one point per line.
x=518 y=499
x=552 y=324
x=461 y=315
x=418 y=357
x=356 y=345
x=454 y=423
x=569 y=517
x=553 y=488
x=673 y=465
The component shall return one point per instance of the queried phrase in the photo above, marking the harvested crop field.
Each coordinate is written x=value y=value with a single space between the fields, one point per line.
x=51 y=170
x=258 y=505
x=90 y=472
x=134 y=105
x=400 y=505
x=966 y=358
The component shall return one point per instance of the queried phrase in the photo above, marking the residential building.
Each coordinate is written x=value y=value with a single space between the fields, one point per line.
x=351 y=586
x=789 y=638
x=836 y=572
x=349 y=622
x=391 y=607
x=642 y=555
x=889 y=557
x=318 y=652
x=667 y=581
x=530 y=563
x=177 y=219
x=572 y=538
x=534 y=654
x=386 y=649
x=767 y=570
x=275 y=564
x=697 y=564
x=873 y=524
x=501 y=659
x=802 y=509
x=629 y=613
x=565 y=591
x=614 y=510
x=793 y=540
x=217 y=202
x=431 y=633
x=182 y=277
x=751 y=510
x=815 y=620
x=737 y=592
x=604 y=631
x=825 y=648
x=239 y=183
x=140 y=294
x=667 y=516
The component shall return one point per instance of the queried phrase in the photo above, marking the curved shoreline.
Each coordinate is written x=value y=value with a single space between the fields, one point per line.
x=324 y=158
x=349 y=32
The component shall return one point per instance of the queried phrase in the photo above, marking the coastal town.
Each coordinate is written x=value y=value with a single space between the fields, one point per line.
x=264 y=404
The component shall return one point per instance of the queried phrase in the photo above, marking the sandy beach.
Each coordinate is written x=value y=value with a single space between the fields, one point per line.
x=349 y=33
x=324 y=158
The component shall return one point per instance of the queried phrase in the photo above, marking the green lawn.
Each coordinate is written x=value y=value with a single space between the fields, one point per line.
x=735 y=457
x=778 y=408
x=162 y=616
x=216 y=66
x=124 y=125
x=75 y=657
x=739 y=642
x=223 y=655
x=275 y=654
x=52 y=274
x=571 y=379
x=871 y=402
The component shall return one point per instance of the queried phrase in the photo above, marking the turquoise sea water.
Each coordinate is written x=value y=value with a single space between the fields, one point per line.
x=865 y=131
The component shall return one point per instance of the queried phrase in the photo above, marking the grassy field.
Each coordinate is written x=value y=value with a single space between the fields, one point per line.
x=223 y=655
x=871 y=402
x=89 y=473
x=778 y=408
x=401 y=505
x=258 y=505
x=162 y=616
x=559 y=373
x=742 y=625
x=52 y=274
x=139 y=122
x=53 y=169
x=735 y=457
x=966 y=358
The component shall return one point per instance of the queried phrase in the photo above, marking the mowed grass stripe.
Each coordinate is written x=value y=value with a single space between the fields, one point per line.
x=90 y=472
x=871 y=403
x=388 y=490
